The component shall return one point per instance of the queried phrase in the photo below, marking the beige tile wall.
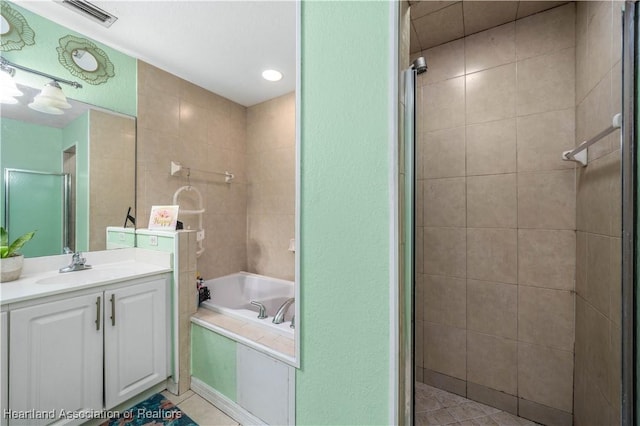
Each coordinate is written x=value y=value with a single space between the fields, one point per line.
x=598 y=98
x=271 y=187
x=248 y=223
x=182 y=122
x=113 y=145
x=497 y=216
x=188 y=305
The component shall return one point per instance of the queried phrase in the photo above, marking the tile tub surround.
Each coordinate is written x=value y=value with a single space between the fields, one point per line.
x=179 y=121
x=246 y=332
x=271 y=164
x=248 y=223
x=496 y=216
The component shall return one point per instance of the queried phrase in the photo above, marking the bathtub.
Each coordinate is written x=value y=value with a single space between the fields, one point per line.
x=231 y=295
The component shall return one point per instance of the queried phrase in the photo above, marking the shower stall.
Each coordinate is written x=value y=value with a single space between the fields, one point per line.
x=519 y=273
x=38 y=200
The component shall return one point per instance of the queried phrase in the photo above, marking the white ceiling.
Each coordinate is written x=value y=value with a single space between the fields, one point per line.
x=222 y=46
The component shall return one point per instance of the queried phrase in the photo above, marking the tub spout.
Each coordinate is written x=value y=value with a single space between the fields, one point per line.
x=282 y=310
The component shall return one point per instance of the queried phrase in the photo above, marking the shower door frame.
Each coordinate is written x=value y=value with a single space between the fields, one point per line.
x=407 y=301
x=629 y=216
x=66 y=200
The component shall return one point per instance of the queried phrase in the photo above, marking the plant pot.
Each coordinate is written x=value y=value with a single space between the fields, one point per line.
x=10 y=268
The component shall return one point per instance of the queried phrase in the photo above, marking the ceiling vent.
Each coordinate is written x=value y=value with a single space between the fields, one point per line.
x=90 y=11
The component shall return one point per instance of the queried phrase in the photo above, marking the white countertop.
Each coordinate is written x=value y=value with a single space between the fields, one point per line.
x=40 y=276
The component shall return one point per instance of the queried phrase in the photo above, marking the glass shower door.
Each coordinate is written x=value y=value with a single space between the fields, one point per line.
x=37 y=201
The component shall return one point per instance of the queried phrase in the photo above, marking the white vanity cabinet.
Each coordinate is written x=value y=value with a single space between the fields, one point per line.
x=4 y=366
x=59 y=351
x=55 y=352
x=135 y=339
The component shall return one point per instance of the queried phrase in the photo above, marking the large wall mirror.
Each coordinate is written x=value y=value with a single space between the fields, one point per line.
x=66 y=176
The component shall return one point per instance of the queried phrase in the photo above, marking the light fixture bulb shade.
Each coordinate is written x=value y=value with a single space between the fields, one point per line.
x=9 y=100
x=52 y=96
x=8 y=86
x=44 y=108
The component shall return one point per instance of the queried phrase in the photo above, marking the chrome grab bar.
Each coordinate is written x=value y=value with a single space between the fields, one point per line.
x=579 y=154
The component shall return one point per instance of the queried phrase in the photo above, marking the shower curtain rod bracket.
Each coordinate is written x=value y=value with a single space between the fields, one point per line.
x=176 y=168
x=580 y=157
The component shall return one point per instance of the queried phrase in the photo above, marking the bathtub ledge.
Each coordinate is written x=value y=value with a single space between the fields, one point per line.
x=276 y=346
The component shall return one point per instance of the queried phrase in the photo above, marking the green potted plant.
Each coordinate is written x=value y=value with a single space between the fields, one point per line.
x=10 y=259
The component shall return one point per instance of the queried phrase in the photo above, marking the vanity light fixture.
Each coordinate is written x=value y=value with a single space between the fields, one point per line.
x=272 y=75
x=50 y=100
x=8 y=88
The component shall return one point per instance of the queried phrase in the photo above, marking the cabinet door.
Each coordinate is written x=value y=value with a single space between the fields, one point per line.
x=55 y=350
x=135 y=339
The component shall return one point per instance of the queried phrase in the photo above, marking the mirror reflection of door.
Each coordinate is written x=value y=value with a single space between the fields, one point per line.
x=38 y=201
x=69 y=167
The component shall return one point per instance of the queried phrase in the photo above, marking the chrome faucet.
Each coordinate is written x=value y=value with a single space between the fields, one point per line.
x=78 y=263
x=262 y=310
x=278 y=318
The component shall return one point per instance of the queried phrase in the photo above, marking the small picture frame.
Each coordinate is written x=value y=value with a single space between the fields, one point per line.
x=163 y=218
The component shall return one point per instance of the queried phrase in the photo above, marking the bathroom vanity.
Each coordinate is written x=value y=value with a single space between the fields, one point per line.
x=84 y=341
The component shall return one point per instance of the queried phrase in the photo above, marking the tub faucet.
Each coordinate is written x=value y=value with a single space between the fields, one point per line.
x=261 y=309
x=78 y=263
x=278 y=318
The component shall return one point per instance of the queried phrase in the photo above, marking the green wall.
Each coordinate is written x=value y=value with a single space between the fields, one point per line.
x=119 y=93
x=27 y=146
x=213 y=360
x=345 y=214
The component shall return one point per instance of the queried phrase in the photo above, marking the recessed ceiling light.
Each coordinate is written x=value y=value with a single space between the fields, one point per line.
x=272 y=75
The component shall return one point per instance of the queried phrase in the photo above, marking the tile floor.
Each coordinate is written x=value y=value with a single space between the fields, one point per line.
x=437 y=407
x=200 y=410
x=433 y=407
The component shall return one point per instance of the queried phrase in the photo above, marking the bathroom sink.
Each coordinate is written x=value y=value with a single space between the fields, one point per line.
x=88 y=276
x=57 y=279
